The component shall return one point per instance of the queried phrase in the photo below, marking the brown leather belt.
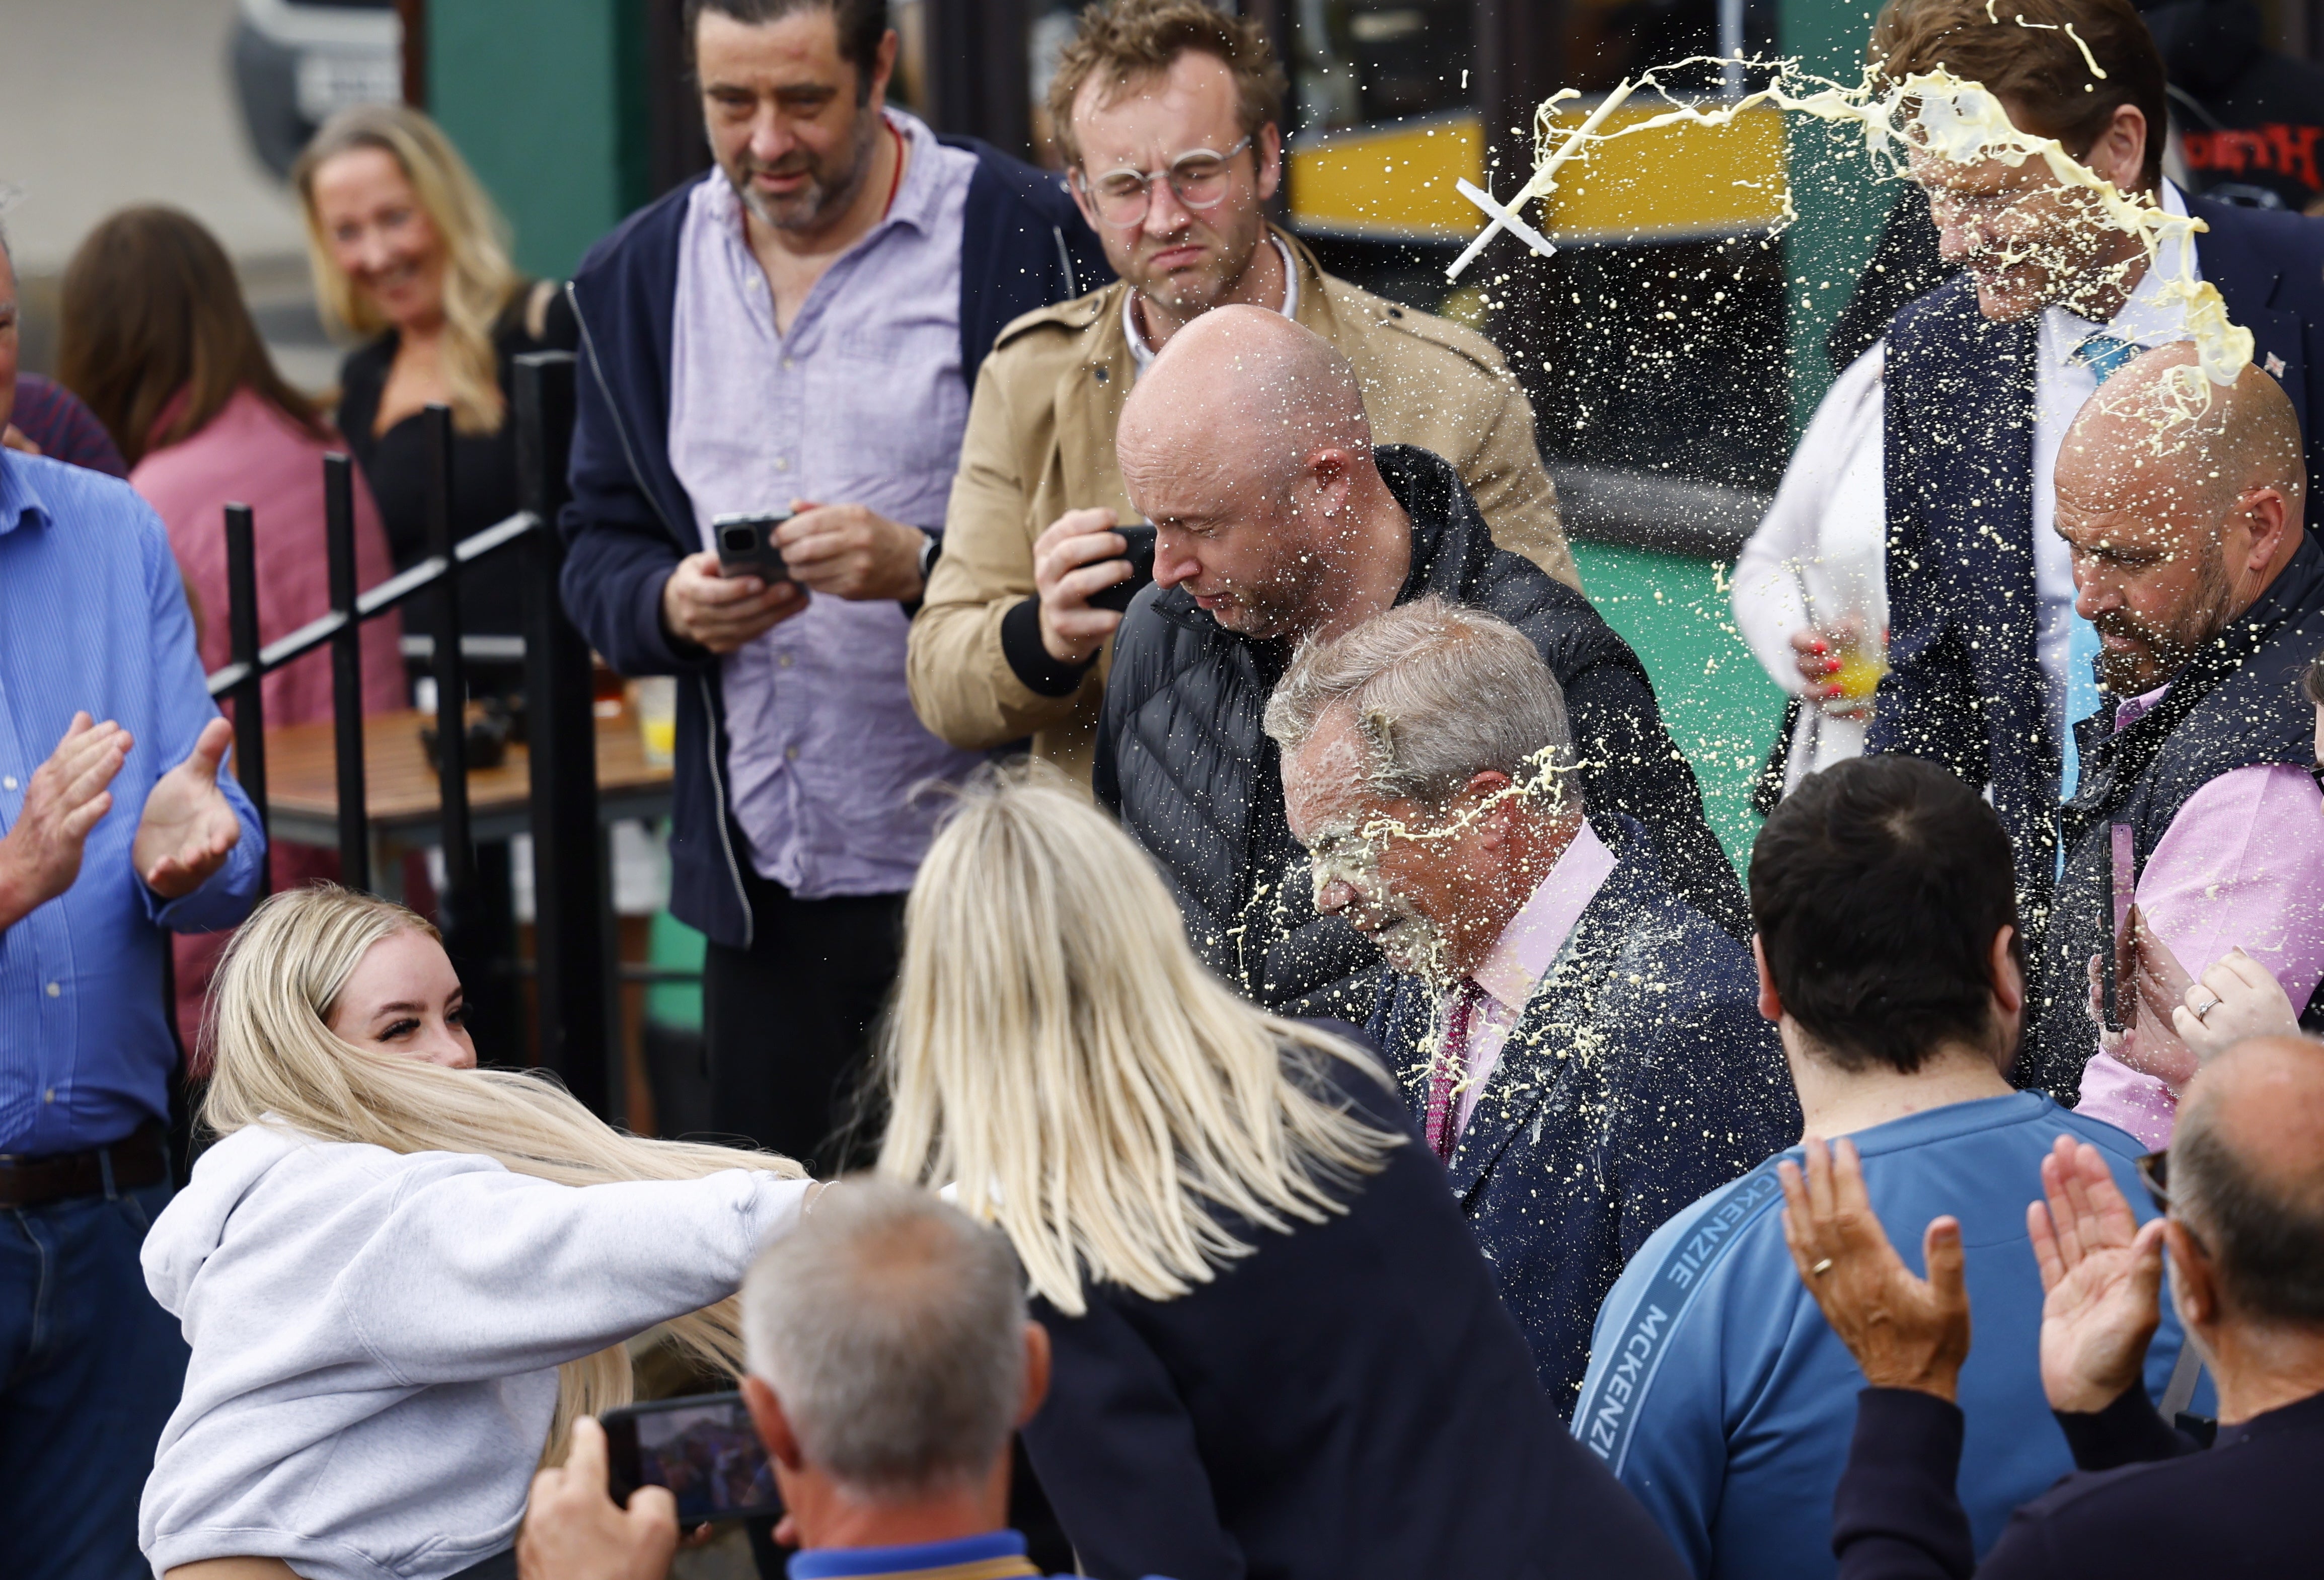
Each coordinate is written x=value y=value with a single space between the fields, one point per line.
x=139 y=1159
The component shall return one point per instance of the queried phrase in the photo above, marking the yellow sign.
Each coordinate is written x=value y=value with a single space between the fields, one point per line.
x=1394 y=183
x=1679 y=183
x=1683 y=182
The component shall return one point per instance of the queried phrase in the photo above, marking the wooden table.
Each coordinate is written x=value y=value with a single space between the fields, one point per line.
x=401 y=798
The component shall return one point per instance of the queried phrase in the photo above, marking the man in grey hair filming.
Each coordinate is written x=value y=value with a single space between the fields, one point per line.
x=891 y=1360
x=1581 y=1049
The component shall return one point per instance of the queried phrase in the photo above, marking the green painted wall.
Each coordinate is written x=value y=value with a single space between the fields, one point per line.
x=1718 y=704
x=546 y=100
x=1841 y=209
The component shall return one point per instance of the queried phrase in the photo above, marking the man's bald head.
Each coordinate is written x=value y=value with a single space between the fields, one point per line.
x=2247 y=1176
x=1246 y=444
x=2161 y=438
x=1242 y=388
x=2182 y=500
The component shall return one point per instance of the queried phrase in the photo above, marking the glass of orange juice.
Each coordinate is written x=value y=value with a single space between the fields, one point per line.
x=1861 y=665
x=655 y=699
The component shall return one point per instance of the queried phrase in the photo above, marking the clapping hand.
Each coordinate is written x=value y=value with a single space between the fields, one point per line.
x=189 y=827
x=41 y=856
x=2101 y=1277
x=1905 y=1332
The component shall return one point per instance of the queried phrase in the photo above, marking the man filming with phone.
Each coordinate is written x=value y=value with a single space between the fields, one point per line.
x=1170 y=117
x=891 y=1360
x=781 y=353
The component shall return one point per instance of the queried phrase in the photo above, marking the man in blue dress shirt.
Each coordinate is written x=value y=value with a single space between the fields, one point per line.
x=1888 y=955
x=117 y=829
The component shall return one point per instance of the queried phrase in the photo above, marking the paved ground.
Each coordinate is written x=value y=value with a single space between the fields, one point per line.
x=106 y=103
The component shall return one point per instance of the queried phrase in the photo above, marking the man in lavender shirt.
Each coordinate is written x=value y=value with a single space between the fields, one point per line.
x=795 y=333
x=1583 y=1050
x=2184 y=516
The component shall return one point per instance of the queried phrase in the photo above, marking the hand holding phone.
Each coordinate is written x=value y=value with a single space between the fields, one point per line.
x=1075 y=562
x=1140 y=536
x=703 y=606
x=573 y=1529
x=747 y=546
x=702 y=1447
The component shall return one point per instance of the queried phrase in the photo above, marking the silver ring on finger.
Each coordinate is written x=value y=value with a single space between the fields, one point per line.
x=2206 y=1008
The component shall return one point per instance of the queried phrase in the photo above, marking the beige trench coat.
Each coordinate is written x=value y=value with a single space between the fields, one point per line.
x=1040 y=442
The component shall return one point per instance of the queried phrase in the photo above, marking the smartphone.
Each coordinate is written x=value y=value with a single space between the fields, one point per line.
x=747 y=546
x=2120 y=984
x=1141 y=556
x=702 y=1446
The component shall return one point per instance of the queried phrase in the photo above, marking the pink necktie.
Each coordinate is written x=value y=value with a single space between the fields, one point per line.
x=1452 y=1063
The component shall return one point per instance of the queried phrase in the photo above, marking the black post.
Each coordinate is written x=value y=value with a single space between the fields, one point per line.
x=241 y=635
x=451 y=684
x=979 y=80
x=573 y=935
x=346 y=671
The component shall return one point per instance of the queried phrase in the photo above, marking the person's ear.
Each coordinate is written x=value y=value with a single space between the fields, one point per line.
x=1771 y=1004
x=2008 y=976
x=883 y=70
x=1267 y=152
x=1037 y=1371
x=2194 y=1280
x=2263 y=513
x=2119 y=153
x=1487 y=791
x=774 y=1427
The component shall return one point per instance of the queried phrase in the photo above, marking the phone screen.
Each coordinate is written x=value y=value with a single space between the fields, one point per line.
x=702 y=1447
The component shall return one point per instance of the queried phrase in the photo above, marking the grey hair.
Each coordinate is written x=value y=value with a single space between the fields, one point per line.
x=1439 y=693
x=891 y=1325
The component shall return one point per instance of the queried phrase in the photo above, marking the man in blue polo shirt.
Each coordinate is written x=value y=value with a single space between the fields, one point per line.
x=1889 y=955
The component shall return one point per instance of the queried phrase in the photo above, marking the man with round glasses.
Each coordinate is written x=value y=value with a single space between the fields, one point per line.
x=1168 y=113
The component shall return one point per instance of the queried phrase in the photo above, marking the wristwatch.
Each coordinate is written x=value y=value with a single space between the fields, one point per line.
x=931 y=550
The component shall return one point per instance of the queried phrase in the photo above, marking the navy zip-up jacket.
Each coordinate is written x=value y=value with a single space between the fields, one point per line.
x=1023 y=247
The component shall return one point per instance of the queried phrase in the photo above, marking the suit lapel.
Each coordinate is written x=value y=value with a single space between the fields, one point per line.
x=1536 y=1059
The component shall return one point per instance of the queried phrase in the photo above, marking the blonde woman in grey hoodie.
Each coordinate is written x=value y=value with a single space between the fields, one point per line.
x=403 y=1278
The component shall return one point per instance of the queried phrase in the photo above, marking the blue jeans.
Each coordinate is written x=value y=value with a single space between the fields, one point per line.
x=90 y=1369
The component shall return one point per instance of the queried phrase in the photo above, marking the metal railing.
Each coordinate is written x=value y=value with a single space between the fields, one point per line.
x=574 y=973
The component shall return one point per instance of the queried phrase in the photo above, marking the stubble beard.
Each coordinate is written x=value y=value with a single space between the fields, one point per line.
x=2166 y=651
x=1189 y=296
x=821 y=200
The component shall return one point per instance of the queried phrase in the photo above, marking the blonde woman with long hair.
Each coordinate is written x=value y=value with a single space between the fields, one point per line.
x=411 y=258
x=1277 y=1350
x=403 y=1278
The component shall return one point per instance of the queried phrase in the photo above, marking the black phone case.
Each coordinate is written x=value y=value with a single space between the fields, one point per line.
x=1141 y=556
x=624 y=1473
x=765 y=558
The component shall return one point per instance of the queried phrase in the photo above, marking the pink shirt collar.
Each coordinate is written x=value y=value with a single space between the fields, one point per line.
x=1522 y=956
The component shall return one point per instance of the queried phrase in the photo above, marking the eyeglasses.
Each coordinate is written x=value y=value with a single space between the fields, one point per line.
x=2154 y=1173
x=1199 y=180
